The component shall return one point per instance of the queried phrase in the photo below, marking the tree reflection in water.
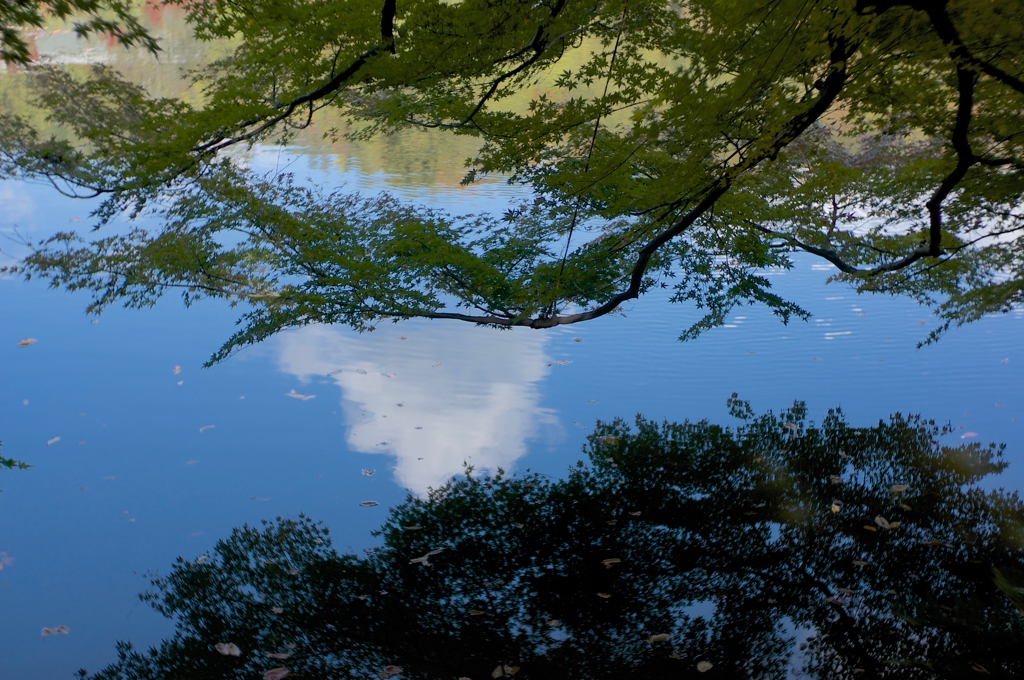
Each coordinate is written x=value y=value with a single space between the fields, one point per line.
x=776 y=548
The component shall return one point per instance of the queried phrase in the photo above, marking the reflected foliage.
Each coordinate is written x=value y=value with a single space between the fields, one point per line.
x=8 y=463
x=679 y=550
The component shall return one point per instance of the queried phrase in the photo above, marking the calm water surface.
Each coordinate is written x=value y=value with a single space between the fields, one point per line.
x=139 y=455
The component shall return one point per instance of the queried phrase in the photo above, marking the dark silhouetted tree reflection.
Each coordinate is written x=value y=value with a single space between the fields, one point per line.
x=840 y=552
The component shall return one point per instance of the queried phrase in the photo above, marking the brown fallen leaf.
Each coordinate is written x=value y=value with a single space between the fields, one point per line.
x=477 y=612
x=56 y=630
x=276 y=673
x=25 y=342
x=368 y=504
x=228 y=649
x=610 y=562
x=177 y=370
x=390 y=670
x=860 y=563
x=603 y=595
x=660 y=637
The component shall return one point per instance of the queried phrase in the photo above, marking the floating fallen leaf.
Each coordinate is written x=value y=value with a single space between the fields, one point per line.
x=1004 y=361
x=368 y=504
x=860 y=563
x=279 y=655
x=577 y=339
x=477 y=612
x=402 y=337
x=612 y=522
x=966 y=435
x=390 y=375
x=604 y=595
x=277 y=610
x=610 y=562
x=204 y=428
x=704 y=666
x=882 y=522
x=554 y=623
x=579 y=424
x=563 y=362
x=635 y=514
x=368 y=473
x=295 y=395
x=177 y=370
x=835 y=479
x=276 y=674
x=25 y=342
x=50 y=442
x=905 y=507
x=202 y=558
x=400 y=404
x=414 y=527
x=511 y=670
x=181 y=382
x=498 y=672
x=391 y=670
x=359 y=370
x=815 y=358
x=837 y=506
x=56 y=630
x=660 y=637
x=593 y=401
x=899 y=488
x=335 y=372
x=435 y=364
x=870 y=528
x=846 y=591
x=228 y=649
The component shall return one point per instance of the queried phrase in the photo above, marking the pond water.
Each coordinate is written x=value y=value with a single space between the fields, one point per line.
x=139 y=455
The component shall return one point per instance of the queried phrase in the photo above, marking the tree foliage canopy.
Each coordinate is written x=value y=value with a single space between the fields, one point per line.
x=776 y=545
x=686 y=144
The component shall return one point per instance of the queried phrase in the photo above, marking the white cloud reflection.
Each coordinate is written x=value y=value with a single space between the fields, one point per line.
x=479 y=405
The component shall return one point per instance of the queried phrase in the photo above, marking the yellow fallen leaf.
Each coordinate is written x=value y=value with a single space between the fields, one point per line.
x=660 y=637
x=26 y=342
x=498 y=672
x=604 y=595
x=899 y=488
x=882 y=522
x=704 y=666
x=610 y=562
x=870 y=528
x=477 y=612
x=836 y=506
